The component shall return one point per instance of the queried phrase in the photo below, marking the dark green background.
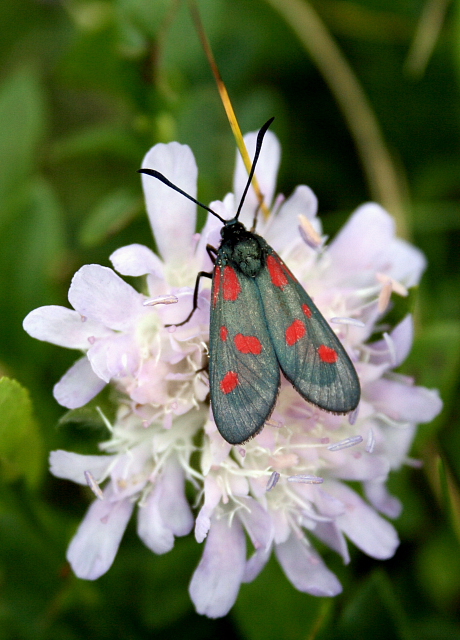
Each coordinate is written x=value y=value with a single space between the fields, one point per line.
x=85 y=89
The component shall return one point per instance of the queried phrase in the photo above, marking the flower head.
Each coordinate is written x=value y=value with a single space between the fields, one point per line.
x=285 y=488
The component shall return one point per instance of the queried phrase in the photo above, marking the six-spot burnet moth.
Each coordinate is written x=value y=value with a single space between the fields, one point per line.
x=262 y=320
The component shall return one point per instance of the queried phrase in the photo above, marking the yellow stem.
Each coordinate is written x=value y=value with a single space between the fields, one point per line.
x=227 y=103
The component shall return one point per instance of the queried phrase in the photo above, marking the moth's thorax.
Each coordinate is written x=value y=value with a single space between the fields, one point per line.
x=242 y=248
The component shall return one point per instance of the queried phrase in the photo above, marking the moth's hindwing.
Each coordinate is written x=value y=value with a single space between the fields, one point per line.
x=243 y=370
x=308 y=351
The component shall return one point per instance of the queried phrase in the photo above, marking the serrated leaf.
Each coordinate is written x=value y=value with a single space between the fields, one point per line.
x=20 y=441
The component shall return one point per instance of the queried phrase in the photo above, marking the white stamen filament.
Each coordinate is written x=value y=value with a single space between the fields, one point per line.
x=370 y=444
x=391 y=348
x=150 y=302
x=392 y=423
x=354 y=322
x=105 y=420
x=93 y=485
x=306 y=479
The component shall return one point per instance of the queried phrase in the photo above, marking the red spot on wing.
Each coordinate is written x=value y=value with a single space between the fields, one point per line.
x=295 y=332
x=229 y=382
x=307 y=311
x=277 y=273
x=248 y=344
x=223 y=333
x=232 y=287
x=327 y=354
x=217 y=272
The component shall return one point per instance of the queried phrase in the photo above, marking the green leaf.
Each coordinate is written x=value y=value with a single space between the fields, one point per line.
x=38 y=260
x=22 y=114
x=450 y=496
x=438 y=568
x=113 y=213
x=435 y=362
x=20 y=440
x=270 y=608
x=374 y=611
x=99 y=139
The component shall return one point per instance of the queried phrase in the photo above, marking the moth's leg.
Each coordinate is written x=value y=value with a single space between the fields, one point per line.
x=212 y=252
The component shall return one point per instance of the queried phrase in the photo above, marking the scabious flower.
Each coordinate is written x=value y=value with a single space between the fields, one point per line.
x=288 y=486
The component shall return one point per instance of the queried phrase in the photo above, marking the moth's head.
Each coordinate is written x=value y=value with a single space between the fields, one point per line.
x=231 y=229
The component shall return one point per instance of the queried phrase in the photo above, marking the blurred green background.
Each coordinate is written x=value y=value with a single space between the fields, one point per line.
x=366 y=99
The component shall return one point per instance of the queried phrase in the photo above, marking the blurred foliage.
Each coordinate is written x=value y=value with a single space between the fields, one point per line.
x=86 y=87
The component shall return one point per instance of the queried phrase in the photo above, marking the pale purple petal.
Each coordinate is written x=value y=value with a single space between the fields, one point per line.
x=330 y=534
x=210 y=234
x=72 y=466
x=256 y=563
x=100 y=294
x=172 y=217
x=364 y=239
x=114 y=357
x=378 y=496
x=257 y=522
x=95 y=545
x=407 y=262
x=166 y=512
x=365 y=528
x=281 y=231
x=397 y=443
x=137 y=260
x=305 y=569
x=403 y=402
x=63 y=327
x=129 y=473
x=212 y=495
x=217 y=579
x=357 y=465
x=402 y=337
x=151 y=384
x=368 y=243
x=78 y=385
x=266 y=173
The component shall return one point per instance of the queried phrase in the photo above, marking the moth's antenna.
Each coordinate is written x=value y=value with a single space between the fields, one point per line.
x=260 y=137
x=159 y=176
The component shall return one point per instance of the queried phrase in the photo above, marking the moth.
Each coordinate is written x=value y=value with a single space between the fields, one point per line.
x=262 y=321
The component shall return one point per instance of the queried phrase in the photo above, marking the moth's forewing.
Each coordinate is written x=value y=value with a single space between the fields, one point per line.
x=308 y=351
x=243 y=370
